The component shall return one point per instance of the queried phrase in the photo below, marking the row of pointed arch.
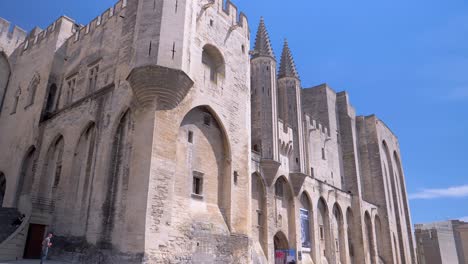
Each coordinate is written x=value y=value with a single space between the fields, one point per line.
x=52 y=189
x=331 y=230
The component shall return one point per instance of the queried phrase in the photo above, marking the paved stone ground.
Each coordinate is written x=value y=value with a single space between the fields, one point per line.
x=31 y=261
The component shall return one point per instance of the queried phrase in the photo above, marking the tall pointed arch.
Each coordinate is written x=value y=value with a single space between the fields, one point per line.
x=369 y=231
x=115 y=204
x=259 y=212
x=395 y=198
x=404 y=198
x=26 y=174
x=351 y=228
x=339 y=234
x=82 y=177
x=324 y=233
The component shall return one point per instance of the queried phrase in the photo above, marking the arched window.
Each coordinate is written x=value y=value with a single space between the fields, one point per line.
x=305 y=216
x=2 y=187
x=32 y=88
x=117 y=184
x=214 y=62
x=50 y=104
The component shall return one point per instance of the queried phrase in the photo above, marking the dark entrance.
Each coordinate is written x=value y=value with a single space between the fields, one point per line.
x=283 y=254
x=33 y=247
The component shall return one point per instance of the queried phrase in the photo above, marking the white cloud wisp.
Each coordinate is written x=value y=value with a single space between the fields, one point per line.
x=450 y=192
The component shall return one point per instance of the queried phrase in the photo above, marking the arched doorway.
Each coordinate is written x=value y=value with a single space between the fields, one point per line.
x=281 y=246
x=2 y=187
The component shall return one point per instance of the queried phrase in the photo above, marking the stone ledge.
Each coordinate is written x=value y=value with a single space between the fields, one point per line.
x=163 y=86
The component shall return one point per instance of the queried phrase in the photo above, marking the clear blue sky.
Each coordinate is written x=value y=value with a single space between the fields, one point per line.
x=405 y=61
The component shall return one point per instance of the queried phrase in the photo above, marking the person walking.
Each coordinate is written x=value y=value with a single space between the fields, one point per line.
x=46 y=244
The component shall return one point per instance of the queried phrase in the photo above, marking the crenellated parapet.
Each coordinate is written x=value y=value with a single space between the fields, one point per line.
x=115 y=11
x=10 y=39
x=314 y=125
x=285 y=137
x=230 y=11
x=37 y=36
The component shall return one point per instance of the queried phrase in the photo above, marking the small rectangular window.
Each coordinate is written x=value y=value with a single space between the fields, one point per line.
x=197 y=185
x=312 y=172
x=321 y=233
x=236 y=175
x=323 y=154
x=190 y=137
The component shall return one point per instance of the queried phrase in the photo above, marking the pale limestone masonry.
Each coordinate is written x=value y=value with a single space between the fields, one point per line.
x=442 y=242
x=155 y=134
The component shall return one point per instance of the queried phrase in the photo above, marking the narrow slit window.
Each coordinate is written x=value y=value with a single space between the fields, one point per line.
x=259 y=218
x=323 y=154
x=190 y=137
x=321 y=233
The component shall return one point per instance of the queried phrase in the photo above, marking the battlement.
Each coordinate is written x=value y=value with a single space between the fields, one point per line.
x=312 y=125
x=77 y=31
x=100 y=20
x=37 y=35
x=231 y=10
x=285 y=136
x=10 y=37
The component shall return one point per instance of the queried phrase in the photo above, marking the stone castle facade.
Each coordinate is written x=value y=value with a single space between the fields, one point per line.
x=155 y=134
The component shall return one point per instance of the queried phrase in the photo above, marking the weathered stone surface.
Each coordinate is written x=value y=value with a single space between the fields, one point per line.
x=151 y=136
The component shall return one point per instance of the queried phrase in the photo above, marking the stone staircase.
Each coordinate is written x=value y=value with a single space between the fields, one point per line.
x=7 y=216
x=12 y=238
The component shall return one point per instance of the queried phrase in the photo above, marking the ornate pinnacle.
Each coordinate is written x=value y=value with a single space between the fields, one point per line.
x=287 y=66
x=262 y=42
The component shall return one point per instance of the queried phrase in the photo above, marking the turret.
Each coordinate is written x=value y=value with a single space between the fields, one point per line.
x=289 y=87
x=264 y=97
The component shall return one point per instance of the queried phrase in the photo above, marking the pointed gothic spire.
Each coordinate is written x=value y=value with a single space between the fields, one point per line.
x=287 y=66
x=262 y=42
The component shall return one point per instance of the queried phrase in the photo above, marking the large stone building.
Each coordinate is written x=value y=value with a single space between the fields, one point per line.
x=442 y=242
x=155 y=134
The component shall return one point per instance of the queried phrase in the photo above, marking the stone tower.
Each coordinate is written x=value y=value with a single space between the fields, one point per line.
x=289 y=87
x=264 y=97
